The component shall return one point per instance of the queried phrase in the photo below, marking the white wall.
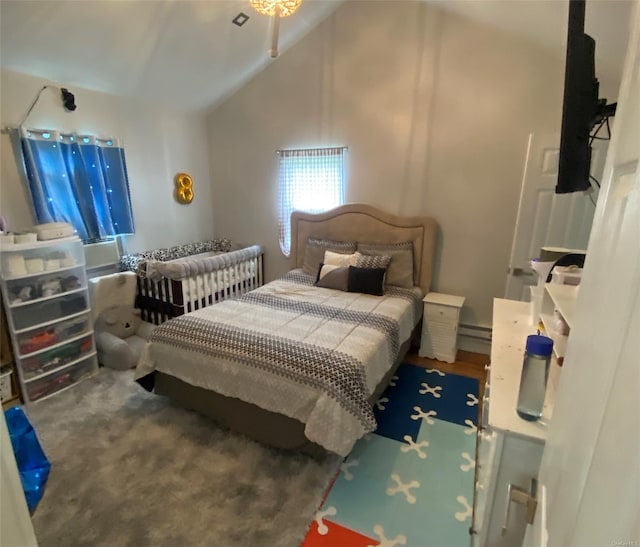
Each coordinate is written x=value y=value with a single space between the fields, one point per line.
x=158 y=144
x=435 y=110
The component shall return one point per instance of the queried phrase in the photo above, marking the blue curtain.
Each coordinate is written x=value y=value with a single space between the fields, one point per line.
x=78 y=179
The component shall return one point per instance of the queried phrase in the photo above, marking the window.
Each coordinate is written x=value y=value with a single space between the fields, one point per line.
x=79 y=179
x=311 y=180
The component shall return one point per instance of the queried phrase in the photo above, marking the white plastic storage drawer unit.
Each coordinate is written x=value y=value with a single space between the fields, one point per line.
x=44 y=285
x=440 y=326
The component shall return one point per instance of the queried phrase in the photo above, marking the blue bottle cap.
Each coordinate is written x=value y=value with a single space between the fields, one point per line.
x=539 y=345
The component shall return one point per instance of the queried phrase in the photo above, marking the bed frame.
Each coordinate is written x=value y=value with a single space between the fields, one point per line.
x=179 y=290
x=366 y=224
x=352 y=222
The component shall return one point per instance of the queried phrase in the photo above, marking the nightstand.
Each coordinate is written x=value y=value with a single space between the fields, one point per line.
x=440 y=326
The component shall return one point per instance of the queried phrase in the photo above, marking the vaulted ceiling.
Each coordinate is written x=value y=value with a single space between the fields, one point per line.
x=189 y=54
x=181 y=52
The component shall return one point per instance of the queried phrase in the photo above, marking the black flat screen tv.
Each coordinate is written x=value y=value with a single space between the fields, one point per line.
x=581 y=106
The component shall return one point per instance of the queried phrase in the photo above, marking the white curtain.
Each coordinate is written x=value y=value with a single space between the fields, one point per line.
x=311 y=180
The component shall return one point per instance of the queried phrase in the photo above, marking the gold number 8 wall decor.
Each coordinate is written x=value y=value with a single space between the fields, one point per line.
x=184 y=188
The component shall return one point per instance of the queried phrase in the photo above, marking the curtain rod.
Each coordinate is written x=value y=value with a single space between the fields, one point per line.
x=280 y=150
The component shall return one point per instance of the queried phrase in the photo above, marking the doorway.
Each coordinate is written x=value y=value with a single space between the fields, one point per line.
x=546 y=218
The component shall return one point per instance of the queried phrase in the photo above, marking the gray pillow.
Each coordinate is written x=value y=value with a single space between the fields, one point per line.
x=400 y=270
x=333 y=277
x=315 y=248
x=372 y=261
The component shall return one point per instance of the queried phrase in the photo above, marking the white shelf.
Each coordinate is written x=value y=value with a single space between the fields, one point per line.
x=45 y=272
x=12 y=247
x=26 y=317
x=45 y=298
x=564 y=299
x=559 y=340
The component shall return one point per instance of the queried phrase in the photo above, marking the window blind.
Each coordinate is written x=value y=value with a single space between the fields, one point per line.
x=311 y=180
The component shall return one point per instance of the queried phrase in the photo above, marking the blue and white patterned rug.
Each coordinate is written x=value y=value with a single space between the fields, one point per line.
x=411 y=482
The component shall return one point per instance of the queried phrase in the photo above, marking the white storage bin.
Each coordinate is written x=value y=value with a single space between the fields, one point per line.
x=53 y=383
x=25 y=238
x=5 y=385
x=6 y=240
x=45 y=362
x=49 y=310
x=566 y=275
x=44 y=285
x=53 y=333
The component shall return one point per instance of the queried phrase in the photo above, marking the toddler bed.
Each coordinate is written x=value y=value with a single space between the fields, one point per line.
x=175 y=281
x=292 y=364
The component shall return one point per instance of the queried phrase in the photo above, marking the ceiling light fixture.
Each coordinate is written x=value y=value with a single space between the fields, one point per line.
x=275 y=9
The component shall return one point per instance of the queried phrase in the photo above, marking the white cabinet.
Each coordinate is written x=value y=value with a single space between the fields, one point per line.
x=509 y=448
x=440 y=326
x=44 y=285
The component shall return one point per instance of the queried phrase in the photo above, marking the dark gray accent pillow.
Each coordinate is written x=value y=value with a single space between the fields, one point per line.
x=366 y=280
x=315 y=248
x=400 y=272
x=333 y=277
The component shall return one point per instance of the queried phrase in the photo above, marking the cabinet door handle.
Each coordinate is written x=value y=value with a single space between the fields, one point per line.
x=521 y=496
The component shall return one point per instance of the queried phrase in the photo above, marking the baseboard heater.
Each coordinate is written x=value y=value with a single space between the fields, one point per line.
x=475 y=331
x=474 y=338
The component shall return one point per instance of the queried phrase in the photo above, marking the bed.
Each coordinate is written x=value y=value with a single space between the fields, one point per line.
x=294 y=365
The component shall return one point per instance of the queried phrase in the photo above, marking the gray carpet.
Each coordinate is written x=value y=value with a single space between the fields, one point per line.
x=129 y=468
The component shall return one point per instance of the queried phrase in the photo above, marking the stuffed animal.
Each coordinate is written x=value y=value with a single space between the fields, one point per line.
x=120 y=336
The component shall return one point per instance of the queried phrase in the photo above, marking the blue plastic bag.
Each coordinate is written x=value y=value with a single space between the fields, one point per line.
x=33 y=465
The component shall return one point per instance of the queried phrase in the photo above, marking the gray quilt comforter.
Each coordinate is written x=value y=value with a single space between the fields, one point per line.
x=313 y=354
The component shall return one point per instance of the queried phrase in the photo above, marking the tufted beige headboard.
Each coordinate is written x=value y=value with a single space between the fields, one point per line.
x=367 y=224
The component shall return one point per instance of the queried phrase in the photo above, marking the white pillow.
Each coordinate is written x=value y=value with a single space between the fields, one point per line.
x=338 y=259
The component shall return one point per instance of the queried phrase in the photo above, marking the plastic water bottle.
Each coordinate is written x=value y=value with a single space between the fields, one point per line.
x=535 y=372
